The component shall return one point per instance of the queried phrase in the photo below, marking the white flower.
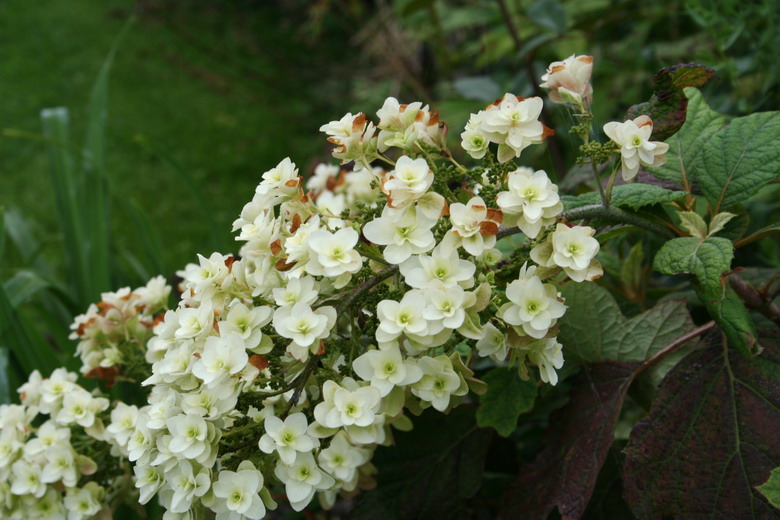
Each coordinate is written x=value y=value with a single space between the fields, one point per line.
x=333 y=254
x=238 y=492
x=354 y=138
x=190 y=435
x=569 y=80
x=493 y=343
x=532 y=201
x=547 y=355
x=26 y=479
x=405 y=316
x=574 y=249
x=302 y=479
x=474 y=225
x=123 y=418
x=447 y=305
x=85 y=502
x=534 y=306
x=60 y=466
x=288 y=437
x=404 y=233
x=633 y=138
x=246 y=322
x=341 y=459
x=409 y=181
x=80 y=407
x=298 y=290
x=441 y=266
x=514 y=124
x=304 y=326
x=438 y=383
x=473 y=139
x=187 y=483
x=322 y=176
x=347 y=404
x=195 y=323
x=222 y=357
x=386 y=369
x=148 y=480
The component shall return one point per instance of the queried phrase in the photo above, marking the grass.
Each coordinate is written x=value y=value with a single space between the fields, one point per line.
x=211 y=98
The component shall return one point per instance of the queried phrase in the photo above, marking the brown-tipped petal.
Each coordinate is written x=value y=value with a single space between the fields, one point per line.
x=282 y=265
x=585 y=59
x=557 y=68
x=445 y=211
x=547 y=131
x=496 y=215
x=321 y=350
x=292 y=182
x=276 y=246
x=488 y=228
x=478 y=207
x=359 y=122
x=229 y=261
x=296 y=223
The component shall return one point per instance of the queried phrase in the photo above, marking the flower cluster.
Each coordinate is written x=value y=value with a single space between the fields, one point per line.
x=511 y=122
x=359 y=298
x=115 y=331
x=49 y=467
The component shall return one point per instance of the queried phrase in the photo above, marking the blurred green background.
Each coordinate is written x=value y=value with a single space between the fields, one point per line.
x=203 y=96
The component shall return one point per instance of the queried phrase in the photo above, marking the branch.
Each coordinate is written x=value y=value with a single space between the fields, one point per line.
x=610 y=213
x=754 y=299
x=366 y=286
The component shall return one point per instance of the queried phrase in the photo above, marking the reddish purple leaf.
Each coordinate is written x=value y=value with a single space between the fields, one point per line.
x=577 y=443
x=667 y=106
x=710 y=438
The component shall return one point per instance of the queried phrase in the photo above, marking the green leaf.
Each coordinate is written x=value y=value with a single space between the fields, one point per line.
x=507 y=397
x=771 y=488
x=709 y=439
x=728 y=309
x=594 y=330
x=632 y=196
x=667 y=106
x=740 y=159
x=577 y=442
x=431 y=471
x=693 y=223
x=549 y=14
x=686 y=146
x=719 y=222
x=631 y=269
x=30 y=351
x=706 y=259
x=23 y=286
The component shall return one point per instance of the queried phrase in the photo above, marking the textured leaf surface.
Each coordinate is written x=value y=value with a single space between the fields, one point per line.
x=706 y=259
x=709 y=440
x=771 y=488
x=431 y=470
x=594 y=330
x=632 y=196
x=667 y=106
x=507 y=397
x=740 y=159
x=686 y=146
x=728 y=309
x=576 y=444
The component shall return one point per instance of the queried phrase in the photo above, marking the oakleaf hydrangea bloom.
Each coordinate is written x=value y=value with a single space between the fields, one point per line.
x=633 y=138
x=533 y=306
x=569 y=80
x=532 y=201
x=572 y=248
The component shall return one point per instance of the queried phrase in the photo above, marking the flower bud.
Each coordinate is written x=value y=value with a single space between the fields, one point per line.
x=569 y=80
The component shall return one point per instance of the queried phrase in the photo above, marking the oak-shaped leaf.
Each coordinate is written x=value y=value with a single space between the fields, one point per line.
x=594 y=329
x=709 y=439
x=667 y=106
x=577 y=442
x=431 y=471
